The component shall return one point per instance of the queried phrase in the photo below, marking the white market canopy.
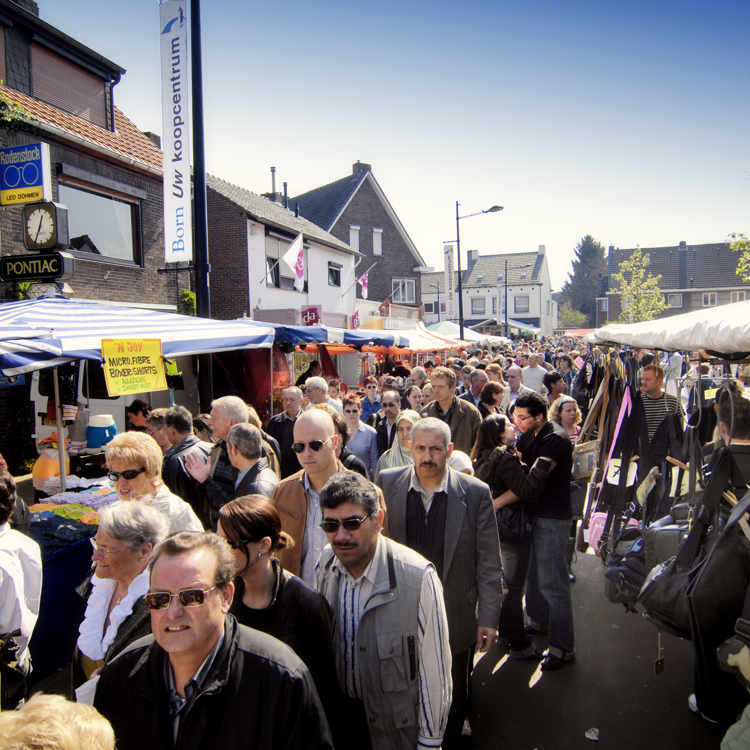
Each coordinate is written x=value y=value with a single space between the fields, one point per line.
x=724 y=329
x=63 y=330
x=451 y=330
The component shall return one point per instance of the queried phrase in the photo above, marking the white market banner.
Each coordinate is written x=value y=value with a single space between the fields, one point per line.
x=175 y=103
x=450 y=293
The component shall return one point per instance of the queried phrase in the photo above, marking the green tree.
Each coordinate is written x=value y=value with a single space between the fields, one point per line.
x=639 y=291
x=580 y=289
x=740 y=243
x=569 y=317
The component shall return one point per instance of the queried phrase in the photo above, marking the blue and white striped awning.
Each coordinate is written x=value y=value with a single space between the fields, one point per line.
x=52 y=329
x=330 y=335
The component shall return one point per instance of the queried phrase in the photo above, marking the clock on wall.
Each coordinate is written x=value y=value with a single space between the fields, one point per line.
x=45 y=226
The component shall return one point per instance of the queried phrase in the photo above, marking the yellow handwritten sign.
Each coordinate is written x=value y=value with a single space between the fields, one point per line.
x=133 y=366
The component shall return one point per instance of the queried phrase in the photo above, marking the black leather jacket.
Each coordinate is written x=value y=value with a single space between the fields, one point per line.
x=258 y=693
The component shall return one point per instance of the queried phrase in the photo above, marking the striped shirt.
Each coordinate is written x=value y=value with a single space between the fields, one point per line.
x=435 y=687
x=314 y=538
x=658 y=408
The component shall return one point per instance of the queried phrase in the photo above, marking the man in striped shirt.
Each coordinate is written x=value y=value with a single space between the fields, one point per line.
x=656 y=403
x=390 y=626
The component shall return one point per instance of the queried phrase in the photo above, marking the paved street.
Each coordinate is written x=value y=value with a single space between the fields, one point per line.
x=611 y=686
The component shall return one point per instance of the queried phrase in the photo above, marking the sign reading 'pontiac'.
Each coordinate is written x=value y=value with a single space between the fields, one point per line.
x=47 y=267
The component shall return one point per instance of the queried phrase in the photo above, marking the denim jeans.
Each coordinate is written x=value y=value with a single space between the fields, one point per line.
x=515 y=569
x=548 y=601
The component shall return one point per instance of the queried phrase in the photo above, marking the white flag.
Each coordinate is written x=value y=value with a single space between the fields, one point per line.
x=294 y=257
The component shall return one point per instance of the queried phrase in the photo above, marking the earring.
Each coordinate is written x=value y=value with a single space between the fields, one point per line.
x=260 y=555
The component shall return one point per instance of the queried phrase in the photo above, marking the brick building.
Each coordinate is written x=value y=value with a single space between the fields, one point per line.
x=355 y=210
x=692 y=277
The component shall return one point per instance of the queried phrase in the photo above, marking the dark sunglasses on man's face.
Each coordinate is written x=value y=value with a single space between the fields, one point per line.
x=316 y=445
x=128 y=474
x=350 y=524
x=187 y=598
x=389 y=406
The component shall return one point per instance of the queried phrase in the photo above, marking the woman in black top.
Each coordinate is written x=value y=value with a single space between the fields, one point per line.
x=269 y=599
x=497 y=464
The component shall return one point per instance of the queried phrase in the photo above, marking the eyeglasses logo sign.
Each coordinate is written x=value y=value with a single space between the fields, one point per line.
x=25 y=175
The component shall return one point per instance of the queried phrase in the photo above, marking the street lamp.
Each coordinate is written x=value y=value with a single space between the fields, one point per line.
x=492 y=210
x=525 y=265
x=436 y=287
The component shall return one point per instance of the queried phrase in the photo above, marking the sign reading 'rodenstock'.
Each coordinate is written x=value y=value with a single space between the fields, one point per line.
x=175 y=100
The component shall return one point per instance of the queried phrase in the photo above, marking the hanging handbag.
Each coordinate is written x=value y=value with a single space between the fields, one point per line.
x=664 y=592
x=511 y=524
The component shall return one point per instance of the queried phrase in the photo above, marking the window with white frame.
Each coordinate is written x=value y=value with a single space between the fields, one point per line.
x=738 y=296
x=354 y=237
x=377 y=241
x=709 y=299
x=674 y=300
x=334 y=274
x=521 y=304
x=477 y=306
x=404 y=290
x=604 y=304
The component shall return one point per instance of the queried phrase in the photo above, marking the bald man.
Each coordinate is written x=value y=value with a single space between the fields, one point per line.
x=297 y=497
x=515 y=389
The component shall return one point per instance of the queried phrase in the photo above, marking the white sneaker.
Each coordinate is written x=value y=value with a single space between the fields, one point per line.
x=693 y=705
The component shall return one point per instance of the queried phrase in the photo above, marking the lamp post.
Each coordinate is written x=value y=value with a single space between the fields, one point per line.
x=491 y=210
x=525 y=265
x=436 y=287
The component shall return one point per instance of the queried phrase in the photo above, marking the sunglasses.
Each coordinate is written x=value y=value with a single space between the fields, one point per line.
x=351 y=411
x=128 y=474
x=316 y=445
x=240 y=545
x=350 y=524
x=389 y=406
x=187 y=598
x=369 y=387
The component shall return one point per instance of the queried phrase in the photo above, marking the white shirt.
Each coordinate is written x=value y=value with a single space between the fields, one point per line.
x=20 y=586
x=533 y=377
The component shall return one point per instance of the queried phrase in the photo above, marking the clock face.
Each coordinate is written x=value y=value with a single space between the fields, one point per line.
x=39 y=226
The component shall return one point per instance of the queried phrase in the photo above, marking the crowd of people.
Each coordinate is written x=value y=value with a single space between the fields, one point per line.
x=326 y=581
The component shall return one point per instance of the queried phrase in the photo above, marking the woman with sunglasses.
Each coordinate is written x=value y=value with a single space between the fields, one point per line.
x=399 y=454
x=362 y=441
x=116 y=614
x=269 y=599
x=134 y=461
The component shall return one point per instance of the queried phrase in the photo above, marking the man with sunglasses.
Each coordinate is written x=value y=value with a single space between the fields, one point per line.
x=384 y=423
x=391 y=639
x=297 y=497
x=371 y=405
x=201 y=674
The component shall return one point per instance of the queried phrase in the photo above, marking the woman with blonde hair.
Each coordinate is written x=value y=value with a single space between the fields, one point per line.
x=49 y=722
x=134 y=460
x=566 y=413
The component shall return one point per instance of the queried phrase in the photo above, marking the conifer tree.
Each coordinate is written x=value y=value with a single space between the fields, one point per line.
x=588 y=265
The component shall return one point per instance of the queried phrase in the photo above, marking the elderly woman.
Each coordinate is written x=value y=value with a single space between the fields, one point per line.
x=116 y=613
x=566 y=413
x=362 y=441
x=269 y=599
x=490 y=399
x=399 y=453
x=134 y=461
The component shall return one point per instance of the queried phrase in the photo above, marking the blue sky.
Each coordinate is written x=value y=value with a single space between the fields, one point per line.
x=628 y=122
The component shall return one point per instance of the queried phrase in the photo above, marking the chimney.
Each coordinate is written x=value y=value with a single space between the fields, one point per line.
x=273 y=196
x=273 y=180
x=296 y=210
x=682 y=264
x=154 y=138
x=28 y=5
x=286 y=197
x=359 y=166
x=683 y=245
x=473 y=256
x=542 y=249
x=611 y=248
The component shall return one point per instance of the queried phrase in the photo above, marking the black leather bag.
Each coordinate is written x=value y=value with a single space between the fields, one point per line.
x=663 y=541
x=664 y=593
x=577 y=499
x=511 y=524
